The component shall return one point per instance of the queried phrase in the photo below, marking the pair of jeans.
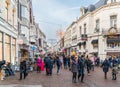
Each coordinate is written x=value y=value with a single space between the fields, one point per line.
x=81 y=74
x=51 y=71
x=88 y=69
x=58 y=69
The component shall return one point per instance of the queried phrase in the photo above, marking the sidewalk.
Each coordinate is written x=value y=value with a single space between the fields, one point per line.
x=97 y=79
x=20 y=86
x=63 y=80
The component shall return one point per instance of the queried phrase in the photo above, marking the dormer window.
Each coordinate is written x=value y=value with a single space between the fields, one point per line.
x=112 y=1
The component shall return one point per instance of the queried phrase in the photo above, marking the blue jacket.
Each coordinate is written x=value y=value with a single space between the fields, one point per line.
x=105 y=66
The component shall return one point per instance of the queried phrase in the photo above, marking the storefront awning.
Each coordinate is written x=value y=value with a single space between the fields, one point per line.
x=113 y=40
x=95 y=41
x=79 y=44
x=83 y=43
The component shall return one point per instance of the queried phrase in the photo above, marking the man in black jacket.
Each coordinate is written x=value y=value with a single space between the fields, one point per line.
x=23 y=68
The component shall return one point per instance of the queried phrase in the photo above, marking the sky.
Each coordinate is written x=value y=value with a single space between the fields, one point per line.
x=53 y=15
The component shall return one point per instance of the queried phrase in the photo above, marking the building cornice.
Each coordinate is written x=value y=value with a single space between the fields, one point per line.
x=102 y=7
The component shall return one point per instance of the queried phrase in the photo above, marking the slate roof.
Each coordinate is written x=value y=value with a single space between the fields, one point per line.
x=97 y=5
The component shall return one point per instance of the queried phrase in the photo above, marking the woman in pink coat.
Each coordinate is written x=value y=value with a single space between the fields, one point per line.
x=39 y=63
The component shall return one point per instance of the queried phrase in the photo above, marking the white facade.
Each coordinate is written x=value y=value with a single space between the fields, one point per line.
x=95 y=24
x=8 y=30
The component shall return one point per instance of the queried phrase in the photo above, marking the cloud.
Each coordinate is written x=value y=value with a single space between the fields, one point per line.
x=55 y=11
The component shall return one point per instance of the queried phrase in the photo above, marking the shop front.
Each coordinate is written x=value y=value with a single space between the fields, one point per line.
x=7 y=48
x=113 y=42
x=24 y=51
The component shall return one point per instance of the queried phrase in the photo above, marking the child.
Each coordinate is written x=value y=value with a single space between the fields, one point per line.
x=114 y=73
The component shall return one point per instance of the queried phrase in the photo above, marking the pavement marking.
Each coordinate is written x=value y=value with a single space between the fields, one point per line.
x=20 y=85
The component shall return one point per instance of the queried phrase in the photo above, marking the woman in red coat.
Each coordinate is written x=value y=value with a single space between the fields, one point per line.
x=42 y=66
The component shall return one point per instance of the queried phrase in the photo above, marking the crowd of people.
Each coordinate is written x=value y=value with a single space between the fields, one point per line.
x=77 y=64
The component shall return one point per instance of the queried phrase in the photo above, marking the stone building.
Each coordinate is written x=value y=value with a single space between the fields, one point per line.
x=8 y=30
x=98 y=29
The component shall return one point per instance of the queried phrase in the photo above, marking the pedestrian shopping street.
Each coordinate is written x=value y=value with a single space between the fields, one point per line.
x=63 y=80
x=39 y=37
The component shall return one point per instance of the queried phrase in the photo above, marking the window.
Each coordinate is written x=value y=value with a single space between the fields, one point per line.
x=13 y=50
x=113 y=45
x=80 y=30
x=24 y=11
x=112 y=1
x=95 y=46
x=97 y=23
x=7 y=48
x=1 y=46
x=113 y=21
x=7 y=8
x=84 y=28
x=25 y=31
x=74 y=29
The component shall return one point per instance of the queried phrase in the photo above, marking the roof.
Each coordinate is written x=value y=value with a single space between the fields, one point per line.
x=100 y=3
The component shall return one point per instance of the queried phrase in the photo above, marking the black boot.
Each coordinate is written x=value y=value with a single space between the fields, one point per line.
x=79 y=76
x=82 y=78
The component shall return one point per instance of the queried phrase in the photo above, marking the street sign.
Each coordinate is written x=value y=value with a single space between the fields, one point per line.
x=33 y=48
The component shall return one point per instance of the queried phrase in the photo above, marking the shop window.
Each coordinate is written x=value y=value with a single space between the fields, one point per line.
x=7 y=52
x=7 y=48
x=84 y=46
x=1 y=51
x=7 y=39
x=13 y=55
x=113 y=45
x=95 y=46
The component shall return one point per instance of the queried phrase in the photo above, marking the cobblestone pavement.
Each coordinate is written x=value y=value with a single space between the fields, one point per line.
x=63 y=80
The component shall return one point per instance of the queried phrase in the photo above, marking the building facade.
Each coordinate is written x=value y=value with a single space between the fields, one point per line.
x=8 y=30
x=67 y=40
x=98 y=29
x=23 y=27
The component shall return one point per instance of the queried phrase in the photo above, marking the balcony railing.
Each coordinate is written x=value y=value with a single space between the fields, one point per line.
x=84 y=36
x=111 y=49
x=8 y=26
x=25 y=41
x=106 y=31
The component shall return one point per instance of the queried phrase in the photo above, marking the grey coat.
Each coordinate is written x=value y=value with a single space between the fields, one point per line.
x=74 y=67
